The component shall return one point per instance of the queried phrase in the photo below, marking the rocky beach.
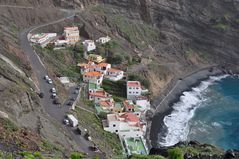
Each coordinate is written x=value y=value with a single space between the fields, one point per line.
x=163 y=103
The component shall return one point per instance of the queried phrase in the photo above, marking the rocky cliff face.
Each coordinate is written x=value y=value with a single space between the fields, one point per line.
x=208 y=28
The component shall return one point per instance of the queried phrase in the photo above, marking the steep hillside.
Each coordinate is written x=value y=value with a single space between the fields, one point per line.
x=157 y=40
x=17 y=95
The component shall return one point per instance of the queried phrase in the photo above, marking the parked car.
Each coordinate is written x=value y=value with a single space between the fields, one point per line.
x=53 y=90
x=78 y=130
x=73 y=99
x=76 y=92
x=53 y=95
x=49 y=81
x=70 y=103
x=66 y=122
x=41 y=95
x=56 y=101
x=93 y=148
x=87 y=137
x=46 y=77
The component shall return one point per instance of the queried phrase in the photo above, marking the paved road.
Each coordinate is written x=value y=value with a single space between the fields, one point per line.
x=58 y=113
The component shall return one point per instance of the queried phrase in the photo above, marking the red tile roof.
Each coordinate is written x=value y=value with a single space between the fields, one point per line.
x=99 y=93
x=127 y=105
x=105 y=103
x=114 y=70
x=133 y=83
x=130 y=117
x=103 y=64
x=92 y=74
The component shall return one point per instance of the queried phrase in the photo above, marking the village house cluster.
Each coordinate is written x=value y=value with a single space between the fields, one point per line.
x=70 y=36
x=126 y=118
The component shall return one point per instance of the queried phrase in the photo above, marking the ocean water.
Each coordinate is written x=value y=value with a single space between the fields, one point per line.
x=209 y=114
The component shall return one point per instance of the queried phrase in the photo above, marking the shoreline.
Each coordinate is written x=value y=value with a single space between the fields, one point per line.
x=163 y=103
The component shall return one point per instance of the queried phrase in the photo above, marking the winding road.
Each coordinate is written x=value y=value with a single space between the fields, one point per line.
x=55 y=112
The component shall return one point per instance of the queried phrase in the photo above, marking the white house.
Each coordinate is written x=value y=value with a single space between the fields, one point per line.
x=61 y=43
x=99 y=95
x=103 y=68
x=124 y=124
x=134 y=90
x=93 y=77
x=87 y=67
x=114 y=74
x=71 y=34
x=143 y=103
x=103 y=40
x=89 y=45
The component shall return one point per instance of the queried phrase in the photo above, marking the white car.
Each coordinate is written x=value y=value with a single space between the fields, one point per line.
x=54 y=95
x=46 y=77
x=49 y=81
x=53 y=90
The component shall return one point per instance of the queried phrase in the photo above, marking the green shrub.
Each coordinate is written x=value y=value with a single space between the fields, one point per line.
x=37 y=154
x=76 y=155
x=115 y=59
x=175 y=153
x=10 y=126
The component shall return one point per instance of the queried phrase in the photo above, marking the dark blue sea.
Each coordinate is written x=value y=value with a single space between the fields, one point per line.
x=209 y=114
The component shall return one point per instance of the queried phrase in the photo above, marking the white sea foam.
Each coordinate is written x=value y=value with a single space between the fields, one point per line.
x=177 y=121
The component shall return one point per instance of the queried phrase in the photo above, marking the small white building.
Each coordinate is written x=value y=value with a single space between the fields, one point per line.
x=114 y=74
x=124 y=124
x=134 y=90
x=143 y=103
x=89 y=45
x=61 y=43
x=43 y=39
x=100 y=95
x=103 y=40
x=93 y=77
x=103 y=68
x=71 y=34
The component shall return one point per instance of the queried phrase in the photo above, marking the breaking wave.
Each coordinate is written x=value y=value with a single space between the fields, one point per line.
x=177 y=122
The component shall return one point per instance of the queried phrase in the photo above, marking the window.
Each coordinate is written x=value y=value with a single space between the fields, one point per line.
x=116 y=130
x=130 y=87
x=98 y=98
x=114 y=125
x=130 y=92
x=137 y=88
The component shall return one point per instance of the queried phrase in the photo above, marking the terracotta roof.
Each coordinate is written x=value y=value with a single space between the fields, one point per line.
x=130 y=117
x=105 y=103
x=127 y=105
x=92 y=74
x=99 y=93
x=103 y=64
x=114 y=70
x=133 y=83
x=90 y=64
